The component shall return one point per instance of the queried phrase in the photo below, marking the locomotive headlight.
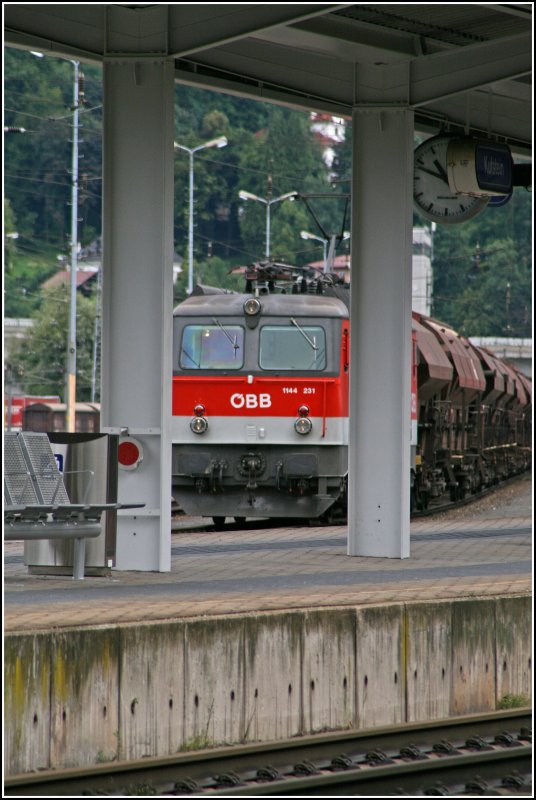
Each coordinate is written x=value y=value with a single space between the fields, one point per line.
x=252 y=307
x=303 y=425
x=303 y=411
x=199 y=410
x=199 y=425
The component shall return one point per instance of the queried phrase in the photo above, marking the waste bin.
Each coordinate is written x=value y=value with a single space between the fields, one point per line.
x=88 y=462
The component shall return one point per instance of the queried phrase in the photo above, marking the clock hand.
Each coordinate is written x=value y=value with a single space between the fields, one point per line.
x=441 y=170
x=441 y=174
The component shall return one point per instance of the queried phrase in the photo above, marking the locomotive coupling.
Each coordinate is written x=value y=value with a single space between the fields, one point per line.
x=251 y=466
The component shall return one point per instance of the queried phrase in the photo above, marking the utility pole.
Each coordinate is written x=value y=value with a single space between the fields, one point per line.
x=96 y=337
x=70 y=382
x=71 y=350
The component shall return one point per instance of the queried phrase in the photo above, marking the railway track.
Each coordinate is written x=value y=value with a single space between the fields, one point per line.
x=478 y=755
x=439 y=508
x=339 y=519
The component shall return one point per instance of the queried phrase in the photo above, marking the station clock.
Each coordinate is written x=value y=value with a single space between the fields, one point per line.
x=432 y=195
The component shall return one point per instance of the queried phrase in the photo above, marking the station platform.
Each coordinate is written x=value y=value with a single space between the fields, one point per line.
x=266 y=634
x=481 y=550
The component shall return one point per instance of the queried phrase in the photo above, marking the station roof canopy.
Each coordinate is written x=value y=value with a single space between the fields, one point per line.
x=464 y=66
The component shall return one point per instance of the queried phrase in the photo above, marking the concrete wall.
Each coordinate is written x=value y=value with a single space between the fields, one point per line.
x=98 y=694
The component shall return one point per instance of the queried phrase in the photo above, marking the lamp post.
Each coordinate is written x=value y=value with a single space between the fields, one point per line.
x=332 y=241
x=220 y=142
x=268 y=203
x=71 y=343
x=325 y=242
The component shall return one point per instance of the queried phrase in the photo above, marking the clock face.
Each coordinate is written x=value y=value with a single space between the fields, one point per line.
x=431 y=193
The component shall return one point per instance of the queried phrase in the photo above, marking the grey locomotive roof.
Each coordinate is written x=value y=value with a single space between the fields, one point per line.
x=284 y=305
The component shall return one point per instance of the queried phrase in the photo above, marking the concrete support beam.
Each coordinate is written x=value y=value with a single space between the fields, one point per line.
x=138 y=295
x=380 y=323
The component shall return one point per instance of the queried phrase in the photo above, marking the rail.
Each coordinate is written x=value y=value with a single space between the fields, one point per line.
x=475 y=752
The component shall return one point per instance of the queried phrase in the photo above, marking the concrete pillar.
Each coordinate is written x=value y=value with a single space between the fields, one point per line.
x=379 y=451
x=138 y=295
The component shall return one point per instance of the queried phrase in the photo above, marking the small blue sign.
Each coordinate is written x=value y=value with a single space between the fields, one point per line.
x=494 y=168
x=59 y=461
x=499 y=200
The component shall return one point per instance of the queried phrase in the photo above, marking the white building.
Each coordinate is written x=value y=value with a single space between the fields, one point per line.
x=421 y=291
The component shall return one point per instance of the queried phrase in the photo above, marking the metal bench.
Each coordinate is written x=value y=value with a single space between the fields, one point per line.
x=36 y=503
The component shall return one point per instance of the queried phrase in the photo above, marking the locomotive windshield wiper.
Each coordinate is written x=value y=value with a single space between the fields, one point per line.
x=187 y=354
x=234 y=341
x=316 y=357
x=311 y=341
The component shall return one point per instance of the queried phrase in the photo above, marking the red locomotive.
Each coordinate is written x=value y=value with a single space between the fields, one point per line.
x=260 y=403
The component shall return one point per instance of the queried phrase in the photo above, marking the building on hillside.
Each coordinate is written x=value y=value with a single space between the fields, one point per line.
x=341 y=266
x=87 y=275
x=86 y=279
x=329 y=131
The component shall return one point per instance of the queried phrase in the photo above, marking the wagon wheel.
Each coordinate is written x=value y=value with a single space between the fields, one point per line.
x=219 y=522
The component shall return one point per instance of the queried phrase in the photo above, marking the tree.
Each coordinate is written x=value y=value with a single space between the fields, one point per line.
x=483 y=271
x=283 y=158
x=201 y=115
x=271 y=150
x=10 y=233
x=23 y=274
x=215 y=271
x=40 y=359
x=38 y=98
x=495 y=298
x=23 y=277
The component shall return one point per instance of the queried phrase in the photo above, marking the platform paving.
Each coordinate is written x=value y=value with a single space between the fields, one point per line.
x=481 y=551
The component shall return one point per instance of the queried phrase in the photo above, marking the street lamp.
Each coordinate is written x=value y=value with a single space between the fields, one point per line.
x=268 y=203
x=71 y=346
x=333 y=239
x=325 y=242
x=220 y=142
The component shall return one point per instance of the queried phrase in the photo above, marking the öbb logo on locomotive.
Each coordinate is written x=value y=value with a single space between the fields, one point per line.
x=251 y=400
x=260 y=403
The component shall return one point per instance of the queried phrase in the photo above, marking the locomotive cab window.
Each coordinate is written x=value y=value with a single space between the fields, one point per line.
x=292 y=347
x=213 y=346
